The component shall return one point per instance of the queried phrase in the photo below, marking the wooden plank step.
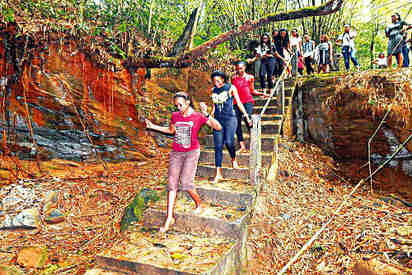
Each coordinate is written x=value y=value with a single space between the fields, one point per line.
x=207 y=170
x=174 y=253
x=208 y=155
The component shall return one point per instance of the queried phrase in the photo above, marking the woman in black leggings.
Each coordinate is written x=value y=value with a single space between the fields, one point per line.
x=268 y=62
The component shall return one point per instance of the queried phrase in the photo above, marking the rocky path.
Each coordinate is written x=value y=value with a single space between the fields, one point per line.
x=212 y=242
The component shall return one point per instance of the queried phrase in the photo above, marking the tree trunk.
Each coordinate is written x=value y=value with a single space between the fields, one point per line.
x=150 y=16
x=184 y=40
x=194 y=30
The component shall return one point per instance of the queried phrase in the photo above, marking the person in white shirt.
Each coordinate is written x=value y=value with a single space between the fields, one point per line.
x=296 y=47
x=346 y=40
x=308 y=48
x=381 y=61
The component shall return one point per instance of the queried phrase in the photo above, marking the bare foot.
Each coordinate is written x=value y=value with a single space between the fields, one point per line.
x=217 y=179
x=198 y=210
x=168 y=223
x=242 y=150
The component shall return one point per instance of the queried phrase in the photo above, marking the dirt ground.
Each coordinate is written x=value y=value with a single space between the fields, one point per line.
x=372 y=225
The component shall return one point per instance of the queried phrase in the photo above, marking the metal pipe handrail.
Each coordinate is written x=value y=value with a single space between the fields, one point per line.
x=281 y=78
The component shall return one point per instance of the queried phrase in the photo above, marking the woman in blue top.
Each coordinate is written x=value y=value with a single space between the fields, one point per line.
x=395 y=34
x=224 y=112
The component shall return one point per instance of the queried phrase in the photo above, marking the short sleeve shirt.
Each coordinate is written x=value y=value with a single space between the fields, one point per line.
x=348 y=39
x=187 y=129
x=242 y=85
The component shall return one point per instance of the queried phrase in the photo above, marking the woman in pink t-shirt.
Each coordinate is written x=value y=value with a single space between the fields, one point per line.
x=245 y=85
x=185 y=125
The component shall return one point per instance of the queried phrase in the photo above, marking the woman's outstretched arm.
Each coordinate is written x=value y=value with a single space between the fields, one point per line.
x=164 y=129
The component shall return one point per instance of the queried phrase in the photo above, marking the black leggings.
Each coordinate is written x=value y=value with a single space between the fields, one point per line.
x=308 y=64
x=267 y=68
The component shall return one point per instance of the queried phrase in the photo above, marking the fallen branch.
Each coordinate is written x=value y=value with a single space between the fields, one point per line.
x=370 y=141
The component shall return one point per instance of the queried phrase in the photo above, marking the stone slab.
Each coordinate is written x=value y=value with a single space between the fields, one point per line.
x=208 y=170
x=268 y=127
x=208 y=155
x=267 y=142
x=101 y=271
x=207 y=226
x=271 y=118
x=232 y=194
x=220 y=256
x=273 y=102
x=269 y=110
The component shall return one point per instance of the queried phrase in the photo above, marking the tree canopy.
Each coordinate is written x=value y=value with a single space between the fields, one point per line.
x=144 y=32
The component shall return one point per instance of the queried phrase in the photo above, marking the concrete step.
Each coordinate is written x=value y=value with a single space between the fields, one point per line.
x=288 y=91
x=236 y=193
x=269 y=110
x=268 y=141
x=208 y=155
x=144 y=252
x=101 y=271
x=215 y=220
x=268 y=127
x=273 y=102
x=206 y=170
x=272 y=118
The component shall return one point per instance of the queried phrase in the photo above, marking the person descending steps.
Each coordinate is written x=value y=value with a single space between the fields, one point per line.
x=185 y=125
x=223 y=95
x=245 y=85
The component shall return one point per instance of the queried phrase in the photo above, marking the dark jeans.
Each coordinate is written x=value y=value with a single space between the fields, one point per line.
x=405 y=53
x=347 y=55
x=267 y=68
x=278 y=67
x=225 y=136
x=239 y=115
x=308 y=64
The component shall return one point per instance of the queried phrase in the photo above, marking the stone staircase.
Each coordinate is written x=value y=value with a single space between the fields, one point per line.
x=221 y=229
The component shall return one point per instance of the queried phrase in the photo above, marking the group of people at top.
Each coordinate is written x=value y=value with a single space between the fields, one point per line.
x=232 y=104
x=397 y=43
x=273 y=52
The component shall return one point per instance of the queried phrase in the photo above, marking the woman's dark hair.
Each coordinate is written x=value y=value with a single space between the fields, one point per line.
x=284 y=41
x=220 y=74
x=252 y=45
x=185 y=96
x=397 y=15
x=182 y=95
x=262 y=41
x=241 y=62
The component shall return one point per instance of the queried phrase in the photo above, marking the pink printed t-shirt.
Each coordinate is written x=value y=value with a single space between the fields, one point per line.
x=242 y=85
x=187 y=128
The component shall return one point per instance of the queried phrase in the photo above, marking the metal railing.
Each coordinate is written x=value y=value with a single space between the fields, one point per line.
x=281 y=82
x=255 y=156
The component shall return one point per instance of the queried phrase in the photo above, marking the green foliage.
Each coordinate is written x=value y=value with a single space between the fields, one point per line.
x=8 y=14
x=134 y=210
